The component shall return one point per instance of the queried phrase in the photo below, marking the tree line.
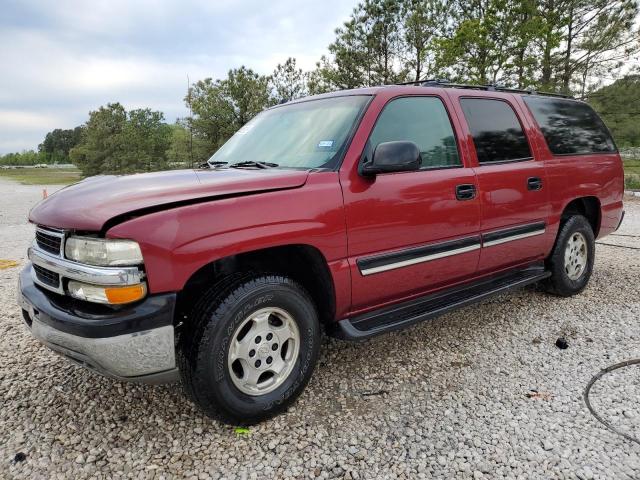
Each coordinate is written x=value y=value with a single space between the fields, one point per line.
x=567 y=46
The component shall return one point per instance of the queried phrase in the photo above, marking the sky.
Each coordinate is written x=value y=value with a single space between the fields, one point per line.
x=61 y=59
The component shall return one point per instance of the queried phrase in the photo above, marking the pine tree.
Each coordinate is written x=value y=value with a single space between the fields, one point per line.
x=424 y=23
x=288 y=82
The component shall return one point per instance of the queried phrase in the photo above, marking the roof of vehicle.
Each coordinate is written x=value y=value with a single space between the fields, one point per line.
x=486 y=88
x=435 y=83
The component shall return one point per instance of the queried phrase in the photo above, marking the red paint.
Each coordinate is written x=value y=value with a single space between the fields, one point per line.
x=396 y=211
x=346 y=216
x=89 y=204
x=505 y=199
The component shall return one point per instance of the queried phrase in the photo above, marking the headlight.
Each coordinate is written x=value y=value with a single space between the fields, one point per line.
x=108 y=295
x=103 y=252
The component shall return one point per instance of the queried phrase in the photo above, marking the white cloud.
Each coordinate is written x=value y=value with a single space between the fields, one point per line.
x=22 y=130
x=27 y=120
x=62 y=59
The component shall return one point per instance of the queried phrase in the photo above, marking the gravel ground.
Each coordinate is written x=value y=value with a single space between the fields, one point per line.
x=479 y=393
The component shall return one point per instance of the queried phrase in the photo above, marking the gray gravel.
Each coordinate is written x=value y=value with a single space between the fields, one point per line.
x=479 y=393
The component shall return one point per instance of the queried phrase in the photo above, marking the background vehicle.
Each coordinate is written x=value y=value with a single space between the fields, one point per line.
x=357 y=212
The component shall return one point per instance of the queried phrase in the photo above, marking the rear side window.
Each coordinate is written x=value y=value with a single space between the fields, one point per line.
x=423 y=121
x=570 y=127
x=496 y=131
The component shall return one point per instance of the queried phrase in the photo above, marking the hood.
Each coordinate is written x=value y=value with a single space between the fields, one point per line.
x=89 y=204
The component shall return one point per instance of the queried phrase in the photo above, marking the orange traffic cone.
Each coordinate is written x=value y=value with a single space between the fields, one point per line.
x=44 y=193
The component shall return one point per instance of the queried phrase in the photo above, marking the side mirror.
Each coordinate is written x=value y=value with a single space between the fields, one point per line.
x=391 y=157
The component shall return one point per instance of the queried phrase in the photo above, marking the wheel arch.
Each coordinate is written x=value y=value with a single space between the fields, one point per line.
x=589 y=207
x=303 y=263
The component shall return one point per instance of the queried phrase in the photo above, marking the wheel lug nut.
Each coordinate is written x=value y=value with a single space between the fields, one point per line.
x=258 y=363
x=269 y=336
x=269 y=360
x=274 y=347
x=258 y=339
x=252 y=353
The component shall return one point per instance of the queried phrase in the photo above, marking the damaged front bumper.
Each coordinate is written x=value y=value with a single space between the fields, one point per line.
x=133 y=343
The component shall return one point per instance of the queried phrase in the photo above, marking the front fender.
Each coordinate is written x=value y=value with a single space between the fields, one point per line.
x=176 y=243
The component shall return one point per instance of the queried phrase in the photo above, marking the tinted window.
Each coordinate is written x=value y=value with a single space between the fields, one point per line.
x=423 y=121
x=570 y=127
x=497 y=133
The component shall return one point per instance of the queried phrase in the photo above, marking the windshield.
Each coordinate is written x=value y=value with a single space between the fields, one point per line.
x=301 y=135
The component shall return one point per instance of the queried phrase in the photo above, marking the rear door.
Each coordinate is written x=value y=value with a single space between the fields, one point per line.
x=411 y=232
x=513 y=183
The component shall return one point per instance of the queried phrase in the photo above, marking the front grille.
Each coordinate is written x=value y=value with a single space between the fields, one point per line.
x=48 y=243
x=47 y=276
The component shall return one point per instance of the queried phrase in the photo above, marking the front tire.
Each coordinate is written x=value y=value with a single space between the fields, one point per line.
x=571 y=261
x=250 y=349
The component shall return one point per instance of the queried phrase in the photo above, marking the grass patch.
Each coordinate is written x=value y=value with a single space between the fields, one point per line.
x=42 y=176
x=632 y=181
x=631 y=166
x=631 y=174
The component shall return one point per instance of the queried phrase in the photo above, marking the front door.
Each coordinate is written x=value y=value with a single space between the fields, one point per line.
x=513 y=184
x=411 y=232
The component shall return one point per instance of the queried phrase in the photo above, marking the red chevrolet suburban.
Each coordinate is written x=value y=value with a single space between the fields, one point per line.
x=354 y=213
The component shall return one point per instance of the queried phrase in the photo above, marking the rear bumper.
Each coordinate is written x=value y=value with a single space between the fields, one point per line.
x=611 y=218
x=132 y=344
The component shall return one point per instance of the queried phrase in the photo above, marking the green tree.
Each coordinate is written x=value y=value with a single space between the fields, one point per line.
x=522 y=70
x=288 y=81
x=319 y=80
x=185 y=150
x=99 y=149
x=24 y=158
x=619 y=104
x=117 y=141
x=220 y=107
x=480 y=49
x=599 y=37
x=247 y=93
x=367 y=48
x=554 y=45
x=550 y=13
x=349 y=66
x=424 y=23
x=212 y=115
x=143 y=142
x=583 y=40
x=59 y=142
x=381 y=32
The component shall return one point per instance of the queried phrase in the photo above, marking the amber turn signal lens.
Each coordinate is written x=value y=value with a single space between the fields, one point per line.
x=104 y=294
x=120 y=295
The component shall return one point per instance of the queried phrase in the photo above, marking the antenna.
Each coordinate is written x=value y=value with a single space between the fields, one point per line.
x=190 y=122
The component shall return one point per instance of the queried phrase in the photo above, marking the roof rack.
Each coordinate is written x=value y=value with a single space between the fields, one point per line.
x=440 y=82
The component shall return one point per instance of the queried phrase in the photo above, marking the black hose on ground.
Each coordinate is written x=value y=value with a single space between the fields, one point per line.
x=590 y=407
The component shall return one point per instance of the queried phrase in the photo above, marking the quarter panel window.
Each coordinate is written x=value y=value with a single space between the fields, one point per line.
x=497 y=133
x=423 y=121
x=570 y=127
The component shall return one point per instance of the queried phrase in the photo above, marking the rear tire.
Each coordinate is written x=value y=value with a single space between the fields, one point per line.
x=250 y=348
x=571 y=261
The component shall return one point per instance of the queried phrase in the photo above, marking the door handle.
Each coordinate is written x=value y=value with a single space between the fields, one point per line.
x=466 y=191
x=534 y=183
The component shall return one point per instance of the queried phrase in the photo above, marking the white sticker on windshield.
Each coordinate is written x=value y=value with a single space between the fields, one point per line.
x=325 y=144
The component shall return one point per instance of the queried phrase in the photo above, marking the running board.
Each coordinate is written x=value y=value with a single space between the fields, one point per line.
x=399 y=316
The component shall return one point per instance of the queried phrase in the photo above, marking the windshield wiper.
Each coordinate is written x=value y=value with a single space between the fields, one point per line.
x=252 y=163
x=214 y=164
